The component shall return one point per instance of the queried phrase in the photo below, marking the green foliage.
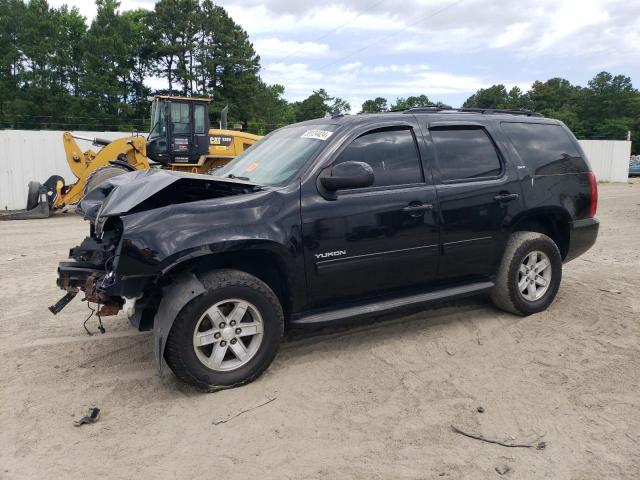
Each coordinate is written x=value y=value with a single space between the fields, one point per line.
x=411 y=102
x=319 y=104
x=275 y=111
x=607 y=108
x=375 y=105
x=497 y=96
x=58 y=72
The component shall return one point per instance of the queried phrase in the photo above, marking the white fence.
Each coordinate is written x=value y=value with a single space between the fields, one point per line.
x=27 y=155
x=609 y=159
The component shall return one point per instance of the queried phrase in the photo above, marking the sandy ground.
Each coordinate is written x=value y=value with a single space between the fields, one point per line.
x=372 y=401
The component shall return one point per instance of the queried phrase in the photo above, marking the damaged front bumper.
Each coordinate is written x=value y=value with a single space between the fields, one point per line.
x=92 y=271
x=78 y=276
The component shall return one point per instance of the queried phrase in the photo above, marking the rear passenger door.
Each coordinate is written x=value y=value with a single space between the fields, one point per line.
x=478 y=192
x=369 y=241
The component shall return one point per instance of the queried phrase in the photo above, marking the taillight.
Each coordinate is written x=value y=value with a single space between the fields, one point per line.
x=593 y=195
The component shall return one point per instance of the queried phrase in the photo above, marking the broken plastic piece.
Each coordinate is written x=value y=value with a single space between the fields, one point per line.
x=92 y=417
x=60 y=304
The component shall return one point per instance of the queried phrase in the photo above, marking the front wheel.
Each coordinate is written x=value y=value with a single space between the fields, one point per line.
x=229 y=335
x=529 y=275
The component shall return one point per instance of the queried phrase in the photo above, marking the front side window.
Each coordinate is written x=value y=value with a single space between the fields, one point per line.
x=392 y=154
x=157 y=120
x=465 y=154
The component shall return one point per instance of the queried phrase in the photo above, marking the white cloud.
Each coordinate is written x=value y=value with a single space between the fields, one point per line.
x=513 y=34
x=544 y=27
x=349 y=67
x=567 y=21
x=88 y=8
x=358 y=49
x=358 y=81
x=406 y=68
x=259 y=19
x=277 y=48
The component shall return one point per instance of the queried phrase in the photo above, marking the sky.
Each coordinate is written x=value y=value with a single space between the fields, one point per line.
x=446 y=49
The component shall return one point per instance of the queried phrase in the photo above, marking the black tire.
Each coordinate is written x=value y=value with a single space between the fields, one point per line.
x=506 y=294
x=180 y=353
x=33 y=195
x=51 y=185
x=100 y=175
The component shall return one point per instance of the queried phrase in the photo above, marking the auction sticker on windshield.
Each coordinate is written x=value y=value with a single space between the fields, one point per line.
x=316 y=134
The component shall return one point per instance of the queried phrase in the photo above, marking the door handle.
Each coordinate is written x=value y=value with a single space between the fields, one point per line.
x=417 y=209
x=506 y=197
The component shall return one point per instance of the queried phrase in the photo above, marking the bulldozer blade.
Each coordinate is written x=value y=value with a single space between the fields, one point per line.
x=41 y=210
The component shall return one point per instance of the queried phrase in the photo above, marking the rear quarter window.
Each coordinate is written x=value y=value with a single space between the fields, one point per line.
x=545 y=148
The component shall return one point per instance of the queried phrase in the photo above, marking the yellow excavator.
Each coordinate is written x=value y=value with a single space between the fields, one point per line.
x=179 y=139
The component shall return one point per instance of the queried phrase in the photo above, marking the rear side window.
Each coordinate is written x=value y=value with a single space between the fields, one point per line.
x=465 y=154
x=392 y=154
x=546 y=149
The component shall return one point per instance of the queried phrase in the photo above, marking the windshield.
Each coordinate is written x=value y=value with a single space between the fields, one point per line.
x=279 y=156
x=157 y=120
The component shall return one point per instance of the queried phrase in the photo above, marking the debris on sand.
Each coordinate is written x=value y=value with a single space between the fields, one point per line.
x=512 y=444
x=241 y=412
x=609 y=290
x=92 y=417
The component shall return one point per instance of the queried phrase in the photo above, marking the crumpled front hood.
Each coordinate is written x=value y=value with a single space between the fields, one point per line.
x=154 y=188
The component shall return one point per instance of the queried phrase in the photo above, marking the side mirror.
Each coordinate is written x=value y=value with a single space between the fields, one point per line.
x=348 y=175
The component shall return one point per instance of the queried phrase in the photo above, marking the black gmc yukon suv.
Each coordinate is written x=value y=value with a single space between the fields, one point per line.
x=331 y=219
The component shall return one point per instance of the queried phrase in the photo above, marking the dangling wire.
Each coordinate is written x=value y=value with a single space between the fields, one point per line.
x=87 y=319
x=95 y=311
x=100 y=326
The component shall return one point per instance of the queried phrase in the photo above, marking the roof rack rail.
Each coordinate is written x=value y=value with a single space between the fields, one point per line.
x=440 y=108
x=510 y=111
x=424 y=108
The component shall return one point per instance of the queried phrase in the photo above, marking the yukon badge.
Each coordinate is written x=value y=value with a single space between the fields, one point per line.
x=337 y=253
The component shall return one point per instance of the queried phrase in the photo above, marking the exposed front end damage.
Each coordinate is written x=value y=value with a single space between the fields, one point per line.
x=91 y=272
x=118 y=266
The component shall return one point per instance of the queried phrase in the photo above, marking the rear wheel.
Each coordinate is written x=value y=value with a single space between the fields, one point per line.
x=228 y=336
x=529 y=275
x=102 y=174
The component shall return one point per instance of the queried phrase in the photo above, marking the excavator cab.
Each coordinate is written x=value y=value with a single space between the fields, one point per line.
x=179 y=130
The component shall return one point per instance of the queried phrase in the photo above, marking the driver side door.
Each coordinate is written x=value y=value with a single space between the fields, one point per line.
x=370 y=241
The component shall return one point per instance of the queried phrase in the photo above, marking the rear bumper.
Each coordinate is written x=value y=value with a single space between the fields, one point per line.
x=582 y=236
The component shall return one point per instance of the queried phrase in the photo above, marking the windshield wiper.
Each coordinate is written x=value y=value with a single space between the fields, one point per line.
x=235 y=177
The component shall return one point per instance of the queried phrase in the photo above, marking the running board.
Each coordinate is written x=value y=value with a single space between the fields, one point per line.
x=379 y=306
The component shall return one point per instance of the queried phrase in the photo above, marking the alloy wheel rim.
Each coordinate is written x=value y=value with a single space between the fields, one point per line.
x=228 y=335
x=534 y=276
